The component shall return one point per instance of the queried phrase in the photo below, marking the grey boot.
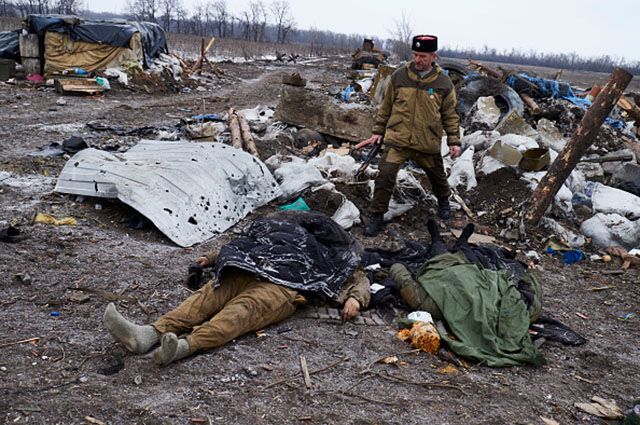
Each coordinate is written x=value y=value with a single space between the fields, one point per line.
x=171 y=349
x=137 y=339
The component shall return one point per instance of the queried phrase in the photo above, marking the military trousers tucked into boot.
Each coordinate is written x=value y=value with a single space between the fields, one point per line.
x=390 y=165
x=242 y=303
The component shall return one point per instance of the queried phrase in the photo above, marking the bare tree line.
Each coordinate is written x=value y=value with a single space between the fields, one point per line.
x=273 y=22
x=603 y=63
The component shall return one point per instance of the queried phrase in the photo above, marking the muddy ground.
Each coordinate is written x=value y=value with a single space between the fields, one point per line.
x=76 y=374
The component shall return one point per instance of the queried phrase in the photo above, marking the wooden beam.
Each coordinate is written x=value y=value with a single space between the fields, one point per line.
x=577 y=145
x=234 y=128
x=530 y=103
x=247 y=138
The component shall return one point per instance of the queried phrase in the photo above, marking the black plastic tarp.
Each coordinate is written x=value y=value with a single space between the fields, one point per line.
x=300 y=250
x=116 y=33
x=10 y=45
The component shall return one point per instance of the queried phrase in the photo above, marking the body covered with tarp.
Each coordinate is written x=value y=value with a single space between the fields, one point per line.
x=300 y=250
x=10 y=45
x=70 y=42
x=483 y=308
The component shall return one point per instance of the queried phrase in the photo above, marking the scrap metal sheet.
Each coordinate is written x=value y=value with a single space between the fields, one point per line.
x=191 y=191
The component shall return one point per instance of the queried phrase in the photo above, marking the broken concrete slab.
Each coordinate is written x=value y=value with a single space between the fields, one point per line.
x=306 y=108
x=190 y=191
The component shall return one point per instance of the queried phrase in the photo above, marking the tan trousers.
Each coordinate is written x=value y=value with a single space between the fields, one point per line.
x=242 y=303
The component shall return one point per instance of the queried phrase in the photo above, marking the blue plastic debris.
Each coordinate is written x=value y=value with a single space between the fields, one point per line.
x=558 y=90
x=346 y=93
x=627 y=316
x=569 y=256
x=55 y=313
x=297 y=205
x=207 y=117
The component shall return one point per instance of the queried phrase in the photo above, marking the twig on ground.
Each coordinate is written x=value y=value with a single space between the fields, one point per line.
x=379 y=359
x=23 y=341
x=305 y=372
x=358 y=382
x=419 y=383
x=371 y=400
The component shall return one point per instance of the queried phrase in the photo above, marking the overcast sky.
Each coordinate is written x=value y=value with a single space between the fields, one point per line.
x=587 y=27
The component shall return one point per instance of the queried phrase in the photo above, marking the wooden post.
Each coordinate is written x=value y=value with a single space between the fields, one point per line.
x=558 y=75
x=234 y=127
x=577 y=146
x=247 y=138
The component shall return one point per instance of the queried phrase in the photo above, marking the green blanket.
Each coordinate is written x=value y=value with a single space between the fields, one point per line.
x=483 y=309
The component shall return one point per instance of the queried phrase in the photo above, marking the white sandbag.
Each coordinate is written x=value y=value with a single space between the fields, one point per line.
x=609 y=200
x=295 y=177
x=489 y=164
x=480 y=140
x=333 y=165
x=612 y=230
x=261 y=114
x=562 y=198
x=522 y=143
x=485 y=112
x=347 y=214
x=462 y=171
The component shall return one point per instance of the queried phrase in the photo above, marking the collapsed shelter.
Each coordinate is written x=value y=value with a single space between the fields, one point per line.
x=54 y=43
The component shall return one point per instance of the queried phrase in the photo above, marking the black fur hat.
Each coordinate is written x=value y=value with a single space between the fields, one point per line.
x=424 y=43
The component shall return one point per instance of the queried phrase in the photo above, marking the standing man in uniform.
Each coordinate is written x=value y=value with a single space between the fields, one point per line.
x=419 y=105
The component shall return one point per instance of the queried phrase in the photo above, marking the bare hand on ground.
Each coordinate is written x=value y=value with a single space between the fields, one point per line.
x=203 y=262
x=454 y=151
x=351 y=309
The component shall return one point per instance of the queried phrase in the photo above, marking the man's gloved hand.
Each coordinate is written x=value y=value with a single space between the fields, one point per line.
x=351 y=309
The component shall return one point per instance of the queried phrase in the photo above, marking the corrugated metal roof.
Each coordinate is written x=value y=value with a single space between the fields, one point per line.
x=191 y=191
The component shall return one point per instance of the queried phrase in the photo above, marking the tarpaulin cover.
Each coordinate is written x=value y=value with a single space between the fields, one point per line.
x=300 y=250
x=557 y=90
x=10 y=45
x=116 y=33
x=61 y=52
